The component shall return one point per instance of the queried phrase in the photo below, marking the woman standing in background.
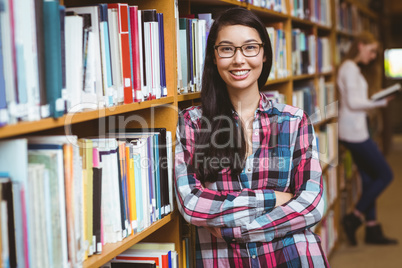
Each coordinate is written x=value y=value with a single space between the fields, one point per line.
x=374 y=170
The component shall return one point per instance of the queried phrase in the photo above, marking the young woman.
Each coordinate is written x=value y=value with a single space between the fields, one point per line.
x=247 y=173
x=353 y=133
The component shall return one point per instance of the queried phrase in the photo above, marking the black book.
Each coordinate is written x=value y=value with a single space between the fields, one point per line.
x=7 y=196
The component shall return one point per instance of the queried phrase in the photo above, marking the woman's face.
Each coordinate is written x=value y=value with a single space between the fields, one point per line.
x=368 y=52
x=239 y=72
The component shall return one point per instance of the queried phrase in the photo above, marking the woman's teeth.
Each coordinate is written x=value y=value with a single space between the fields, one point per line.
x=239 y=73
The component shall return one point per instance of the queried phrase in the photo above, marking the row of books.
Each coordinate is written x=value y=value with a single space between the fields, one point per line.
x=192 y=38
x=352 y=21
x=304 y=96
x=67 y=197
x=77 y=57
x=318 y=11
x=324 y=60
x=328 y=232
x=146 y=255
x=277 y=37
x=330 y=180
x=326 y=100
x=328 y=144
x=310 y=53
x=275 y=5
x=303 y=52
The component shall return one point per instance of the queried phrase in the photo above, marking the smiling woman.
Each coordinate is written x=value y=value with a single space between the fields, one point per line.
x=247 y=172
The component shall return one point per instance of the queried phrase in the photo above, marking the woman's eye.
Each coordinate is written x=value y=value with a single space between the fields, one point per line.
x=226 y=49
x=250 y=47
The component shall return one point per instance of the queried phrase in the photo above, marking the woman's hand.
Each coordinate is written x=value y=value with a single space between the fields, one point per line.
x=282 y=198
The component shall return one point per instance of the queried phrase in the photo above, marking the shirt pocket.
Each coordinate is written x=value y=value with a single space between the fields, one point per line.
x=277 y=168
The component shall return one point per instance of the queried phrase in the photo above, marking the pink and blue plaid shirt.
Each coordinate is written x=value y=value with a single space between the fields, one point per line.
x=255 y=233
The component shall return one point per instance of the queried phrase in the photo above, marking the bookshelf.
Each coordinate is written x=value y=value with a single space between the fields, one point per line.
x=95 y=121
x=163 y=112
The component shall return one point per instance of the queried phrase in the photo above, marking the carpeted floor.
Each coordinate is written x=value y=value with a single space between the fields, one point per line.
x=390 y=216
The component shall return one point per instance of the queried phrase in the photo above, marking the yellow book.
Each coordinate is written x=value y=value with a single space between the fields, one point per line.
x=131 y=188
x=87 y=176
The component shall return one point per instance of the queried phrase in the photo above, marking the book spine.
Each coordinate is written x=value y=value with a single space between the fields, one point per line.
x=135 y=43
x=53 y=66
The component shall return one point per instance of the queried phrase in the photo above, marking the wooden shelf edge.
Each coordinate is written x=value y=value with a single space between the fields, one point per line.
x=112 y=250
x=73 y=118
x=189 y=96
x=266 y=11
x=303 y=76
x=278 y=81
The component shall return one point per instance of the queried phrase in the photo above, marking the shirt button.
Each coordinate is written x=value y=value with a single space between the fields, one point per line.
x=253 y=256
x=249 y=169
x=256 y=133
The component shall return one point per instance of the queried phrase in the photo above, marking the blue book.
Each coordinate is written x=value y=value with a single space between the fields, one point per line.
x=3 y=102
x=151 y=177
x=157 y=177
x=14 y=163
x=162 y=55
x=53 y=60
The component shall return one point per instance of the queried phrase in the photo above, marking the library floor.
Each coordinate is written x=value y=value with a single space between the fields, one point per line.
x=390 y=215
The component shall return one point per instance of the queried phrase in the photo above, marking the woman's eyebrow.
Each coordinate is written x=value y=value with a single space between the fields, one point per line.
x=231 y=43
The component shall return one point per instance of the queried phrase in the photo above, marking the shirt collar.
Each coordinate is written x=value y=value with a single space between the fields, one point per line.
x=263 y=106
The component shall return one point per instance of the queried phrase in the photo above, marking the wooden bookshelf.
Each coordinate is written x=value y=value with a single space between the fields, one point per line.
x=189 y=96
x=112 y=250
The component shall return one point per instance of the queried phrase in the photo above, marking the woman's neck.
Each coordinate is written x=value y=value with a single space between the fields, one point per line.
x=245 y=102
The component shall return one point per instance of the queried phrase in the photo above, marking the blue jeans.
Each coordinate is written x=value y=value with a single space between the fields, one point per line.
x=375 y=173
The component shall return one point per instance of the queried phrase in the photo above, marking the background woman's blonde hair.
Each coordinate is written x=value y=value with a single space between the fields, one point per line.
x=370 y=71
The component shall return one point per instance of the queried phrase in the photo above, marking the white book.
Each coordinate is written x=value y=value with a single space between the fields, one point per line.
x=386 y=92
x=57 y=189
x=110 y=204
x=140 y=148
x=94 y=13
x=169 y=144
x=27 y=60
x=74 y=61
x=8 y=69
x=156 y=61
x=115 y=55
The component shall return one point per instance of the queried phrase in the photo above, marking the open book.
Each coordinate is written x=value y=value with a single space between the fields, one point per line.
x=386 y=92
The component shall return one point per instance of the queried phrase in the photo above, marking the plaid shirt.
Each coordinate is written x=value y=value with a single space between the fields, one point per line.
x=255 y=233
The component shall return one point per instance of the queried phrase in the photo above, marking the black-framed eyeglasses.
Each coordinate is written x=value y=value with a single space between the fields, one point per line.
x=248 y=50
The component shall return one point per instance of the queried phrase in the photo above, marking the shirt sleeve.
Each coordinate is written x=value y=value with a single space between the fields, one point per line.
x=349 y=84
x=304 y=210
x=204 y=207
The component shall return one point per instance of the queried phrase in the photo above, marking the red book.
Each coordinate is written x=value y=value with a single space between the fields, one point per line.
x=135 y=53
x=122 y=11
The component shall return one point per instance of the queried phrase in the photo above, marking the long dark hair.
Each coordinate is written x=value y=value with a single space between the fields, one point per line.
x=221 y=137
